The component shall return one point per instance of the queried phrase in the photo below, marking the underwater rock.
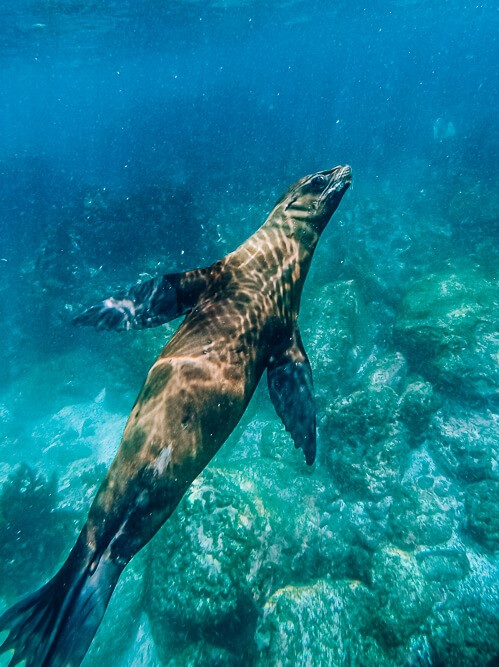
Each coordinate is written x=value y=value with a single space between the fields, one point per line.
x=404 y=597
x=273 y=443
x=58 y=437
x=210 y=564
x=365 y=447
x=322 y=624
x=417 y=405
x=76 y=433
x=389 y=370
x=448 y=327
x=346 y=539
x=202 y=654
x=464 y=626
x=339 y=339
x=79 y=484
x=419 y=652
x=429 y=504
x=443 y=565
x=482 y=513
x=419 y=517
x=465 y=443
x=373 y=244
x=369 y=415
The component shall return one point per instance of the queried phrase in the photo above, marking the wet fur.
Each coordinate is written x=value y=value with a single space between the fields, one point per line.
x=243 y=320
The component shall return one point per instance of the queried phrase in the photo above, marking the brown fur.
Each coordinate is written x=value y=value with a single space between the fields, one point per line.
x=199 y=387
x=242 y=318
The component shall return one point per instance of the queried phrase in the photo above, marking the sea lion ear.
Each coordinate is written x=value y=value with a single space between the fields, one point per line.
x=291 y=390
x=148 y=304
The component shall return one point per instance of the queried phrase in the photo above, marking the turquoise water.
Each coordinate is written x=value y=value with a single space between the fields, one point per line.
x=144 y=138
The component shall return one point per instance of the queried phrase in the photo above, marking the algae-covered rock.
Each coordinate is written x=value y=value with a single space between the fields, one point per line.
x=425 y=508
x=482 y=513
x=404 y=597
x=202 y=654
x=210 y=564
x=365 y=449
x=370 y=415
x=465 y=443
x=337 y=337
x=464 y=626
x=417 y=405
x=35 y=531
x=448 y=325
x=349 y=534
x=419 y=517
x=321 y=624
x=443 y=565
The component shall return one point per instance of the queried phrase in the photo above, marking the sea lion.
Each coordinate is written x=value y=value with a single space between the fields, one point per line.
x=241 y=319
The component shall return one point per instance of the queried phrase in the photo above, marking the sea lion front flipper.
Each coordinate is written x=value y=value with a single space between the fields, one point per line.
x=291 y=390
x=147 y=304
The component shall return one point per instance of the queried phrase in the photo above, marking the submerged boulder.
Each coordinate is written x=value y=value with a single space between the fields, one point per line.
x=35 y=530
x=464 y=626
x=209 y=565
x=364 y=443
x=417 y=405
x=404 y=597
x=338 y=337
x=321 y=624
x=418 y=517
x=443 y=565
x=448 y=325
x=465 y=443
x=482 y=513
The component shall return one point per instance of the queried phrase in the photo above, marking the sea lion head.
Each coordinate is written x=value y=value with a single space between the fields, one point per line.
x=315 y=197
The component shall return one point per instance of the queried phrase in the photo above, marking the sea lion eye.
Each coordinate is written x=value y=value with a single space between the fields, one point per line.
x=318 y=182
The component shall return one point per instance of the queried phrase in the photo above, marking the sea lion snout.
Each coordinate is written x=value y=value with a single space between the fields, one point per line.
x=346 y=174
x=340 y=177
x=322 y=192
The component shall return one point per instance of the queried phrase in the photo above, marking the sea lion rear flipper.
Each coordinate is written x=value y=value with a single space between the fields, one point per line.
x=55 y=625
x=291 y=390
x=147 y=304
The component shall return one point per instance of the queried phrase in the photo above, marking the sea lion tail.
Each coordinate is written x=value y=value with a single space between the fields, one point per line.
x=54 y=626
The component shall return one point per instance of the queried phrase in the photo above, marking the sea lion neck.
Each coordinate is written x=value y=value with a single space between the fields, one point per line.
x=282 y=240
x=298 y=227
x=292 y=230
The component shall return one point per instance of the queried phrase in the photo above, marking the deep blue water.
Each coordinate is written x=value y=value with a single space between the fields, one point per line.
x=143 y=137
x=234 y=95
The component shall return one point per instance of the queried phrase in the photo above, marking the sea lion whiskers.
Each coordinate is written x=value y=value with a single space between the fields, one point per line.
x=335 y=185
